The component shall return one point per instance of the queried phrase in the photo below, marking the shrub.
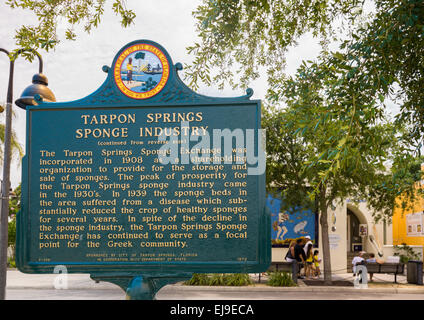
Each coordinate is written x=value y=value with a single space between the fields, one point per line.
x=216 y=279
x=11 y=233
x=280 y=279
x=11 y=263
x=198 y=279
x=237 y=279
x=406 y=253
x=219 y=279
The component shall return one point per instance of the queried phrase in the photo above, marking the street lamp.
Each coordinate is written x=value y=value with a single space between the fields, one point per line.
x=32 y=94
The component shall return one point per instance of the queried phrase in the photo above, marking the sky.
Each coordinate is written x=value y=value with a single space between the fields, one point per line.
x=74 y=68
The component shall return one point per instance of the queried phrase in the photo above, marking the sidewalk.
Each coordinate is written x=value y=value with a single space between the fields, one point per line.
x=22 y=286
x=382 y=283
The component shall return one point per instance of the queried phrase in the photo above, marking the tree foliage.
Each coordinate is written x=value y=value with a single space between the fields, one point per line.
x=333 y=139
x=382 y=52
x=380 y=60
x=390 y=49
x=308 y=160
x=15 y=202
x=50 y=13
x=248 y=35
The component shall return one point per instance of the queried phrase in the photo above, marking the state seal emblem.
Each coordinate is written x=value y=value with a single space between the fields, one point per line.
x=141 y=71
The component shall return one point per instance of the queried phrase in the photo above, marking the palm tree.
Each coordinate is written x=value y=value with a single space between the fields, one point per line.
x=139 y=56
x=15 y=146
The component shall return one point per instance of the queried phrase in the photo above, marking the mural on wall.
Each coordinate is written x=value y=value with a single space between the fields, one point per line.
x=287 y=226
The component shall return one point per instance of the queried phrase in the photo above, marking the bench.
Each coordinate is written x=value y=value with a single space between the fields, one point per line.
x=395 y=268
x=284 y=266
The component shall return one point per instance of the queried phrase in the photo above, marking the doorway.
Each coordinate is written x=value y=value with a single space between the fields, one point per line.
x=354 y=240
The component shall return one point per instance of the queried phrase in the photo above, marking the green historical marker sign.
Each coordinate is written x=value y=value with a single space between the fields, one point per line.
x=144 y=180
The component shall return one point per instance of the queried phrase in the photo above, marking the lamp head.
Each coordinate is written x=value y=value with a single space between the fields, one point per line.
x=31 y=95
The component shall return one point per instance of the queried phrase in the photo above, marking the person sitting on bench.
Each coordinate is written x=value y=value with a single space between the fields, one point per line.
x=357 y=261
x=372 y=259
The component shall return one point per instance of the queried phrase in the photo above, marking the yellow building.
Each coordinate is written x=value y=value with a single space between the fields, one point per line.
x=408 y=224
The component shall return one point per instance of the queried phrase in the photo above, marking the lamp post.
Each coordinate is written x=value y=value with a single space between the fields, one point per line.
x=37 y=88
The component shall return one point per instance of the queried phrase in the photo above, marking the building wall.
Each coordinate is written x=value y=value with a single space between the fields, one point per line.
x=338 y=237
x=400 y=227
x=337 y=242
x=400 y=217
x=375 y=230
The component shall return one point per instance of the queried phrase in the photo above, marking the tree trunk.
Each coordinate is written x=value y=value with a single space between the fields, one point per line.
x=325 y=238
